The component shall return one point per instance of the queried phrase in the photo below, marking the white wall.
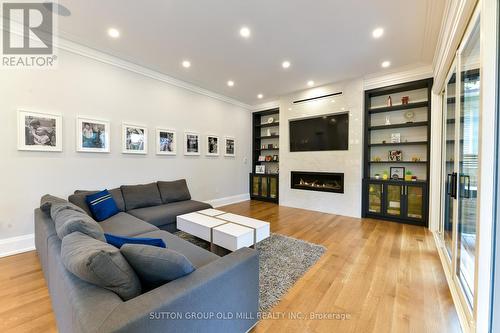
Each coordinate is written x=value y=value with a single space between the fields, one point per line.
x=82 y=86
x=348 y=162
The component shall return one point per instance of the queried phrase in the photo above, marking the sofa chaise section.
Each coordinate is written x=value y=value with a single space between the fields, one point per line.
x=164 y=216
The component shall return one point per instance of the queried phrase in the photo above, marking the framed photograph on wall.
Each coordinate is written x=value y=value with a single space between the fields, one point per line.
x=397 y=173
x=229 y=146
x=92 y=135
x=191 y=143
x=39 y=131
x=212 y=145
x=134 y=139
x=166 y=142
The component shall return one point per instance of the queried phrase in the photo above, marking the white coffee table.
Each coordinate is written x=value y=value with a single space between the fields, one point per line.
x=226 y=230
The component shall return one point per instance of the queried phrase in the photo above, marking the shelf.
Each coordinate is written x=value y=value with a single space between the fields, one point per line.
x=400 y=107
x=394 y=181
x=398 y=162
x=414 y=143
x=260 y=149
x=267 y=137
x=268 y=125
x=266 y=161
x=402 y=125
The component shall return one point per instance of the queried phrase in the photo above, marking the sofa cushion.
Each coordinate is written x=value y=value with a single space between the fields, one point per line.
x=102 y=205
x=47 y=200
x=174 y=191
x=196 y=255
x=138 y=196
x=166 y=214
x=69 y=219
x=79 y=199
x=155 y=265
x=124 y=224
x=119 y=241
x=100 y=264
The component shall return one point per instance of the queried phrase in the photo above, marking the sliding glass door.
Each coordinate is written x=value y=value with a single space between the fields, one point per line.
x=460 y=165
x=468 y=162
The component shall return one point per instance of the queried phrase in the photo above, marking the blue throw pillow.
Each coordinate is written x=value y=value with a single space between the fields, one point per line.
x=102 y=205
x=119 y=241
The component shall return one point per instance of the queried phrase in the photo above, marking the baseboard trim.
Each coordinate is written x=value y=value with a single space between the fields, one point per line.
x=16 y=245
x=229 y=200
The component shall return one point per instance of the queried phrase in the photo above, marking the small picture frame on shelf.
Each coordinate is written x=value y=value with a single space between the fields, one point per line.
x=275 y=158
x=262 y=158
x=395 y=137
x=395 y=155
x=397 y=173
x=260 y=169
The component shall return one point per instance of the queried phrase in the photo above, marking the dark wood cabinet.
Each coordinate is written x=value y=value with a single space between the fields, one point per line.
x=396 y=200
x=264 y=187
x=397 y=135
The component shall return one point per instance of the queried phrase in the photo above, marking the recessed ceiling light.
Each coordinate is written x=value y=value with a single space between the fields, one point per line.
x=285 y=64
x=114 y=33
x=245 y=32
x=386 y=64
x=186 y=64
x=310 y=83
x=378 y=32
x=260 y=96
x=230 y=83
x=333 y=101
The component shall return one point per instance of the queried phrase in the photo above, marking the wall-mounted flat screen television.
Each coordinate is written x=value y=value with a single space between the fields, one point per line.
x=329 y=132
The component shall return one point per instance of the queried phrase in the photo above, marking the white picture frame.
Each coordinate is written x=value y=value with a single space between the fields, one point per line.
x=260 y=169
x=229 y=146
x=212 y=143
x=134 y=139
x=39 y=131
x=166 y=141
x=191 y=143
x=92 y=135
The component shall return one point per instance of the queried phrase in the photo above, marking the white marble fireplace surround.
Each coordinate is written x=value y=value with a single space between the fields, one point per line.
x=348 y=162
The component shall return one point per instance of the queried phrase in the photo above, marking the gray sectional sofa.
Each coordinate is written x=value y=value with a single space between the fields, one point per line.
x=221 y=295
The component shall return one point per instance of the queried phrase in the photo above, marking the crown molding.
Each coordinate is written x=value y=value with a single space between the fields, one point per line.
x=79 y=49
x=266 y=106
x=85 y=51
x=400 y=75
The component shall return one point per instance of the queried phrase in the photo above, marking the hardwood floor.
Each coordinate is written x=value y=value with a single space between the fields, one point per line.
x=381 y=276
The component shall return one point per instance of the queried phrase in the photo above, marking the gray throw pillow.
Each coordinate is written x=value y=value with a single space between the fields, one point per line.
x=156 y=265
x=99 y=263
x=46 y=202
x=69 y=218
x=174 y=191
x=139 y=196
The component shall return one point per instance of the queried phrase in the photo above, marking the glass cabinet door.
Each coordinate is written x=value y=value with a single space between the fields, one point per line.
x=255 y=185
x=273 y=187
x=394 y=199
x=264 y=187
x=414 y=201
x=468 y=156
x=375 y=194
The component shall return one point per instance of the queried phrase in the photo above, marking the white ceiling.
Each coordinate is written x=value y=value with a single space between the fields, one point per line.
x=326 y=41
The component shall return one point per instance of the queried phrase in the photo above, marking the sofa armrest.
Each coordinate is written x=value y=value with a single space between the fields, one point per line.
x=222 y=296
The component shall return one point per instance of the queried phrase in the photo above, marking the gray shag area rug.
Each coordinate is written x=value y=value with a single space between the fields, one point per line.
x=282 y=260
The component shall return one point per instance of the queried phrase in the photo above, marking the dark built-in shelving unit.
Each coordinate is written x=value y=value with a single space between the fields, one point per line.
x=399 y=200
x=265 y=187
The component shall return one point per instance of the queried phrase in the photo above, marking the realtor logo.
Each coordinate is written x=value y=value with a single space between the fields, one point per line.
x=27 y=36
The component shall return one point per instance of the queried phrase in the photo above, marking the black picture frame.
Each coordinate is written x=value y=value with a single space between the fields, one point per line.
x=395 y=173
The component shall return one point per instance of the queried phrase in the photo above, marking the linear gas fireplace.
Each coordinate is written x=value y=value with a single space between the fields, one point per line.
x=318 y=181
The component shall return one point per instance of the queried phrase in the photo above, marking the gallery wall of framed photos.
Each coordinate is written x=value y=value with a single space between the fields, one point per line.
x=39 y=131
x=83 y=110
